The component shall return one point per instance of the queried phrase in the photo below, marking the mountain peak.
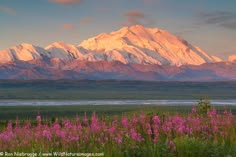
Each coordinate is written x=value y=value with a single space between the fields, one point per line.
x=63 y=51
x=134 y=44
x=136 y=27
x=232 y=58
x=138 y=44
x=22 y=52
x=25 y=45
x=58 y=44
x=62 y=46
x=140 y=28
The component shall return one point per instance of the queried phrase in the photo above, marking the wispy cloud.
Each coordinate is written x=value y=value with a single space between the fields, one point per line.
x=68 y=26
x=229 y=25
x=224 y=19
x=66 y=1
x=7 y=10
x=183 y=29
x=86 y=20
x=134 y=17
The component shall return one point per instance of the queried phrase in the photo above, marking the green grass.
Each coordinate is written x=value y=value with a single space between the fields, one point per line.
x=93 y=90
x=49 y=112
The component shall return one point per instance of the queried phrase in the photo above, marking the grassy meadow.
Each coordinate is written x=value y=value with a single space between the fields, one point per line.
x=117 y=130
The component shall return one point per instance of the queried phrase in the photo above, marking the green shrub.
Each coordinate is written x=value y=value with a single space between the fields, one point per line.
x=203 y=106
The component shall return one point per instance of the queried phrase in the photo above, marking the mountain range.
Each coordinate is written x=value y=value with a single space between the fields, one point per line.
x=131 y=53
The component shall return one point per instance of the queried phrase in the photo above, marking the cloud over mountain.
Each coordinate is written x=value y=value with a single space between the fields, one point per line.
x=86 y=20
x=65 y=1
x=68 y=26
x=7 y=10
x=224 y=19
x=134 y=17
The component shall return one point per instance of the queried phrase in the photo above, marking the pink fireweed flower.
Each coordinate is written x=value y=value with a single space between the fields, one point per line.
x=125 y=122
x=79 y=127
x=156 y=119
x=222 y=133
x=155 y=129
x=112 y=130
x=134 y=120
x=142 y=118
x=9 y=126
x=177 y=120
x=94 y=119
x=180 y=129
x=149 y=130
x=194 y=110
x=5 y=137
x=195 y=123
x=179 y=124
x=172 y=146
x=155 y=140
x=166 y=127
x=60 y=133
x=189 y=130
x=56 y=126
x=230 y=115
x=27 y=125
x=68 y=124
x=118 y=139
x=213 y=122
x=94 y=123
x=205 y=128
x=114 y=122
x=95 y=127
x=85 y=120
x=99 y=140
x=211 y=113
x=225 y=112
x=105 y=139
x=135 y=136
x=73 y=138
x=215 y=129
x=103 y=125
x=47 y=134
x=38 y=118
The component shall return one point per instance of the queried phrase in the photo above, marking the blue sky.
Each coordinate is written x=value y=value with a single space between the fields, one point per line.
x=209 y=24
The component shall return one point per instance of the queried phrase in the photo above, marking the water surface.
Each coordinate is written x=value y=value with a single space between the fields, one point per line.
x=110 y=102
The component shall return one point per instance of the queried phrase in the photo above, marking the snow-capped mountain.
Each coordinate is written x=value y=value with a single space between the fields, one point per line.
x=22 y=52
x=134 y=44
x=137 y=44
x=64 y=51
x=216 y=59
x=232 y=58
x=131 y=53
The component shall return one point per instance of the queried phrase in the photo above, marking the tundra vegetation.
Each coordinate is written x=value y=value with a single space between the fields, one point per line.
x=202 y=131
